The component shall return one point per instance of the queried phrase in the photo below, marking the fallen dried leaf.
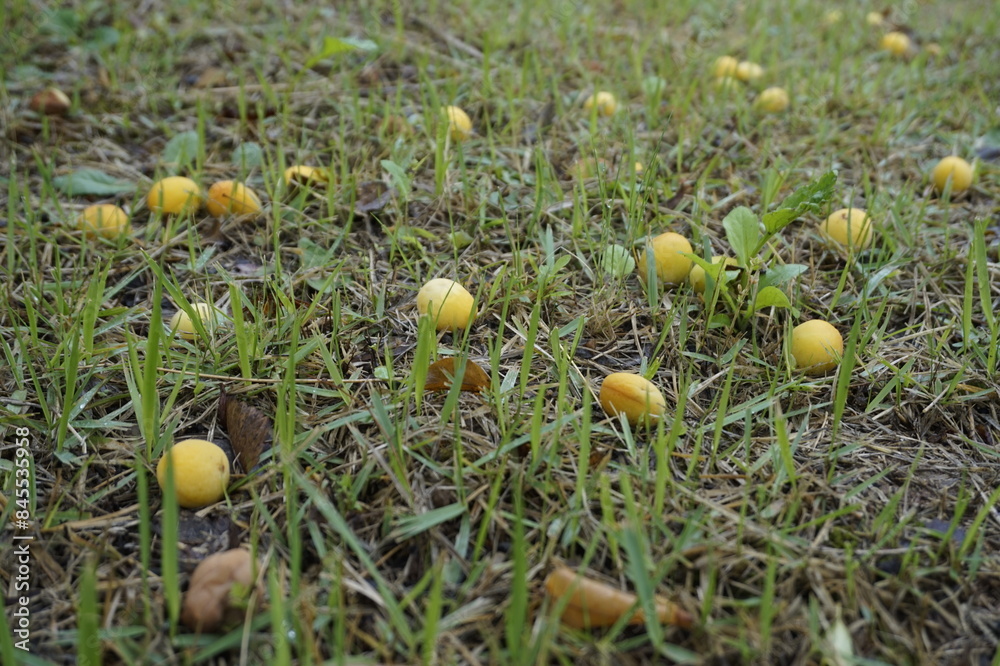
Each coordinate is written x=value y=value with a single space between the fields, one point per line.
x=248 y=428
x=595 y=604
x=441 y=376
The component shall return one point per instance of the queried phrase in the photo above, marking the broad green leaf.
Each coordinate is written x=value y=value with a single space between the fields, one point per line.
x=771 y=297
x=743 y=232
x=248 y=155
x=181 y=150
x=781 y=274
x=102 y=37
x=399 y=177
x=313 y=255
x=92 y=181
x=811 y=197
x=617 y=261
x=653 y=86
x=777 y=220
x=334 y=46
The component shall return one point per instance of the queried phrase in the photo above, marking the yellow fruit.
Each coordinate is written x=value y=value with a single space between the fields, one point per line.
x=671 y=266
x=749 y=71
x=448 y=303
x=604 y=101
x=303 y=175
x=459 y=123
x=725 y=66
x=874 y=19
x=955 y=168
x=200 y=471
x=639 y=168
x=229 y=197
x=896 y=43
x=697 y=276
x=849 y=227
x=105 y=220
x=184 y=327
x=816 y=346
x=773 y=100
x=632 y=395
x=175 y=195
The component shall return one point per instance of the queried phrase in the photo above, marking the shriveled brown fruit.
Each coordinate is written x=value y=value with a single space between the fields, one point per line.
x=209 y=601
x=441 y=375
x=596 y=604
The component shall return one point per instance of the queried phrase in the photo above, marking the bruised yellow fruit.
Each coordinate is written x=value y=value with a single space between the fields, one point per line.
x=697 y=276
x=632 y=395
x=175 y=195
x=459 y=123
x=850 y=228
x=671 y=266
x=200 y=472
x=725 y=66
x=229 y=197
x=955 y=168
x=773 y=100
x=816 y=346
x=303 y=175
x=183 y=325
x=896 y=43
x=106 y=220
x=448 y=303
x=749 y=71
x=603 y=101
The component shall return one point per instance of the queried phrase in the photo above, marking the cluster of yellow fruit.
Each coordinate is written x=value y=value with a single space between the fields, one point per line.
x=728 y=71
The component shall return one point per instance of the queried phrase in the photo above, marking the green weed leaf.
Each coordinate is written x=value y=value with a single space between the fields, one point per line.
x=743 y=232
x=771 y=297
x=248 y=155
x=336 y=45
x=781 y=275
x=617 y=261
x=180 y=151
x=92 y=181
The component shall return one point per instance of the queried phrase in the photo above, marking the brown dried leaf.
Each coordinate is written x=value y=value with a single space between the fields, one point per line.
x=595 y=604
x=248 y=428
x=441 y=376
x=218 y=588
x=372 y=195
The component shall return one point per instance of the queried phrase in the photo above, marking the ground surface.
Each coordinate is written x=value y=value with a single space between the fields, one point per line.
x=842 y=518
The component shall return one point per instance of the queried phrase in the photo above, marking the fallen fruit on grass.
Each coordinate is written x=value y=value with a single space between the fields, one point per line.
x=816 y=346
x=725 y=66
x=448 y=303
x=671 y=266
x=229 y=197
x=200 y=471
x=303 y=175
x=107 y=220
x=773 y=100
x=592 y=603
x=896 y=43
x=954 y=168
x=749 y=71
x=850 y=228
x=874 y=19
x=632 y=395
x=174 y=195
x=697 y=277
x=184 y=326
x=50 y=102
x=459 y=123
x=219 y=588
x=603 y=101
